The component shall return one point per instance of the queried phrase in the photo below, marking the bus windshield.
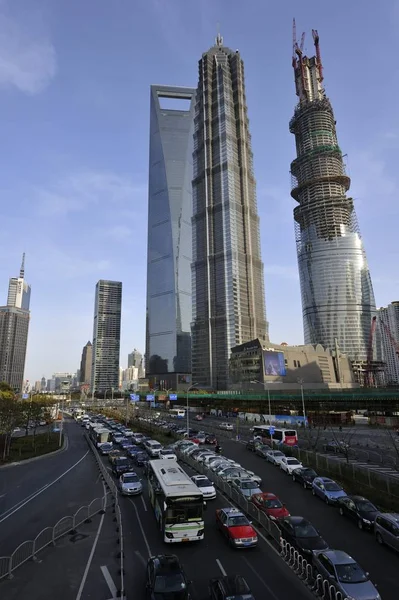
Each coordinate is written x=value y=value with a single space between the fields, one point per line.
x=181 y=511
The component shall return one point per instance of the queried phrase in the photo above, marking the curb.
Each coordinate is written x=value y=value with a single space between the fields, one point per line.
x=64 y=447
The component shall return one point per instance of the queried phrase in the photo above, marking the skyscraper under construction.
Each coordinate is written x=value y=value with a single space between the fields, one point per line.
x=337 y=294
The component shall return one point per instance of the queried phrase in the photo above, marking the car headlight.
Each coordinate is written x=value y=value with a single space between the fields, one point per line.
x=366 y=521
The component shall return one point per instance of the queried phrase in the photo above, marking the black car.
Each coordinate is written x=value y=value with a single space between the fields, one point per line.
x=359 y=509
x=122 y=465
x=141 y=459
x=304 y=476
x=301 y=534
x=262 y=449
x=165 y=579
x=229 y=587
x=251 y=445
x=133 y=450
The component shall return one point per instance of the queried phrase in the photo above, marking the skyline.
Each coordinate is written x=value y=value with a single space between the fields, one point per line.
x=64 y=181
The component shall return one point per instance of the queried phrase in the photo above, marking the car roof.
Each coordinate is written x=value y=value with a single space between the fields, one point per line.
x=358 y=498
x=296 y=520
x=326 y=479
x=166 y=563
x=267 y=495
x=232 y=512
x=338 y=557
x=394 y=517
x=197 y=477
x=248 y=479
x=129 y=473
x=234 y=584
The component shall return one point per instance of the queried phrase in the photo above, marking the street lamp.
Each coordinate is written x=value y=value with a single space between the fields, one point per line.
x=265 y=388
x=187 y=417
x=300 y=381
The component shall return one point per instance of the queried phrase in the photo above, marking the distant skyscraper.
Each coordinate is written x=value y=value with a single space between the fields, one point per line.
x=135 y=359
x=14 y=327
x=106 y=336
x=169 y=311
x=43 y=384
x=85 y=364
x=388 y=322
x=337 y=294
x=228 y=286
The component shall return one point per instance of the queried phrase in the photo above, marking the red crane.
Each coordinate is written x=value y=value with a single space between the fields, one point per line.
x=369 y=372
x=316 y=40
x=390 y=336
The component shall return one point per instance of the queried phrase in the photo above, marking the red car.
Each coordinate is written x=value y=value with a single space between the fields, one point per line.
x=236 y=528
x=270 y=505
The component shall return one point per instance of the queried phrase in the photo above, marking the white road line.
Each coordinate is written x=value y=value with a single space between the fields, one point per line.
x=28 y=499
x=219 y=564
x=143 y=501
x=2 y=495
x=141 y=528
x=110 y=581
x=141 y=558
x=272 y=594
x=93 y=549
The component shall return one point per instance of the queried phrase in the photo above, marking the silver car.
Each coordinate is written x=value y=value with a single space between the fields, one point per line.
x=345 y=574
x=130 y=484
x=386 y=530
x=246 y=487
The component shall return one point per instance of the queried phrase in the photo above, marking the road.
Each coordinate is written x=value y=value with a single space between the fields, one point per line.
x=37 y=494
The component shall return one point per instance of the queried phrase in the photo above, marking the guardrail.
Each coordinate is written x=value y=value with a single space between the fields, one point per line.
x=116 y=509
x=298 y=564
x=30 y=549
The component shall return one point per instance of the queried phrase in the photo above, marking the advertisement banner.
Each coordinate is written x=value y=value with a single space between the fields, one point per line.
x=172 y=396
x=134 y=398
x=274 y=363
x=150 y=398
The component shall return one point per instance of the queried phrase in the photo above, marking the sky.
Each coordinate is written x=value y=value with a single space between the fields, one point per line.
x=74 y=125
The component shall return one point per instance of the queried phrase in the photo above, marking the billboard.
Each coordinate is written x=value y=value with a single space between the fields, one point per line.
x=172 y=396
x=134 y=398
x=150 y=398
x=274 y=363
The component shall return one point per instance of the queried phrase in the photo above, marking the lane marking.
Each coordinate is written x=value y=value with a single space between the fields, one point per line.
x=2 y=495
x=219 y=564
x=272 y=594
x=93 y=549
x=110 y=581
x=143 y=501
x=141 y=558
x=141 y=528
x=22 y=503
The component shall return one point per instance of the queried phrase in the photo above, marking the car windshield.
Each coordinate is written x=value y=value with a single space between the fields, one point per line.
x=277 y=453
x=350 y=573
x=272 y=503
x=169 y=583
x=166 y=452
x=248 y=485
x=237 y=521
x=131 y=479
x=305 y=530
x=331 y=486
x=203 y=483
x=292 y=461
x=366 y=506
x=309 y=473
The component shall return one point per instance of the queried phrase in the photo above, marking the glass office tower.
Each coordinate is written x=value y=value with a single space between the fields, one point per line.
x=228 y=293
x=169 y=303
x=337 y=294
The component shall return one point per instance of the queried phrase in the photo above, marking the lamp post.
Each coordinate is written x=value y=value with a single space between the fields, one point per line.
x=187 y=417
x=167 y=394
x=265 y=388
x=300 y=381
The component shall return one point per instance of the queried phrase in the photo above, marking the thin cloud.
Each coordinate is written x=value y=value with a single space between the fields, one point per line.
x=27 y=60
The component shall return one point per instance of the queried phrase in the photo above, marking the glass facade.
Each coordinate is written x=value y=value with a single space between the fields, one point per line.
x=228 y=287
x=169 y=303
x=337 y=294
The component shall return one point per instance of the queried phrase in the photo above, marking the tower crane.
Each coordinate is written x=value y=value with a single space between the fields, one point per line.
x=369 y=371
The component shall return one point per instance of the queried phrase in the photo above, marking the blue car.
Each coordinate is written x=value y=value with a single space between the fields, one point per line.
x=327 y=489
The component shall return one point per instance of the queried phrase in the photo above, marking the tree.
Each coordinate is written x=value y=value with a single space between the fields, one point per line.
x=11 y=416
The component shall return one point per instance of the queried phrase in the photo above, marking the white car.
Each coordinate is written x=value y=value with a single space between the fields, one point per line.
x=206 y=486
x=288 y=464
x=226 y=426
x=201 y=457
x=167 y=454
x=275 y=457
x=184 y=449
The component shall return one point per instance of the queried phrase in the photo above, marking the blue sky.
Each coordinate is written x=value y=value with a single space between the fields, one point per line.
x=74 y=106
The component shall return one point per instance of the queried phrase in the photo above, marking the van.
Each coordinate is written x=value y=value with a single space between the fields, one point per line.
x=153 y=448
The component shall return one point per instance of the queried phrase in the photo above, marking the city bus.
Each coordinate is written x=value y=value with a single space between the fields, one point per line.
x=177 y=413
x=280 y=436
x=177 y=502
x=100 y=435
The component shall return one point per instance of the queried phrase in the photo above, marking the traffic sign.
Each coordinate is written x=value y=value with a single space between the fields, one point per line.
x=172 y=396
x=134 y=398
x=25 y=396
x=150 y=398
x=272 y=429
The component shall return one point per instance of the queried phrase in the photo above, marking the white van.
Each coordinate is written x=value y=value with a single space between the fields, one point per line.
x=153 y=448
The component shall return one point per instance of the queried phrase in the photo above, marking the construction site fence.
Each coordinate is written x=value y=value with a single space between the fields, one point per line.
x=304 y=570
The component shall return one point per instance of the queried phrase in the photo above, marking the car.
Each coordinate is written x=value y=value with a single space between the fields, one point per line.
x=327 y=489
x=262 y=450
x=304 y=476
x=386 y=530
x=206 y=486
x=275 y=457
x=288 y=464
x=226 y=426
x=121 y=465
x=210 y=439
x=345 y=574
x=201 y=457
x=236 y=528
x=201 y=438
x=246 y=487
x=359 y=509
x=229 y=587
x=301 y=534
x=336 y=446
x=199 y=417
x=141 y=458
x=167 y=454
x=251 y=445
x=270 y=505
x=137 y=437
x=130 y=484
x=166 y=579
x=133 y=450
x=105 y=448
x=125 y=444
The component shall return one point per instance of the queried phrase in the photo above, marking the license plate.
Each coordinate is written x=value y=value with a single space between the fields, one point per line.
x=185 y=539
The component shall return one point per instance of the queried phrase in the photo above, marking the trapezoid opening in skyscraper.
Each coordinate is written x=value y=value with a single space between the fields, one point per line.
x=337 y=295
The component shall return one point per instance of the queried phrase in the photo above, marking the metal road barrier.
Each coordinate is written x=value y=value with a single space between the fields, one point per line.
x=298 y=564
x=30 y=549
x=110 y=483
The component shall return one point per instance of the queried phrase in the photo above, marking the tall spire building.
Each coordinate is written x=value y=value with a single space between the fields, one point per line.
x=228 y=287
x=337 y=294
x=14 y=327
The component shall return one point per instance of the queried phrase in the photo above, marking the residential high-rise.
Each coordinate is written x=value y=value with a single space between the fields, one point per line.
x=388 y=329
x=106 y=336
x=337 y=294
x=14 y=327
x=85 y=364
x=168 y=334
x=228 y=286
x=135 y=359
